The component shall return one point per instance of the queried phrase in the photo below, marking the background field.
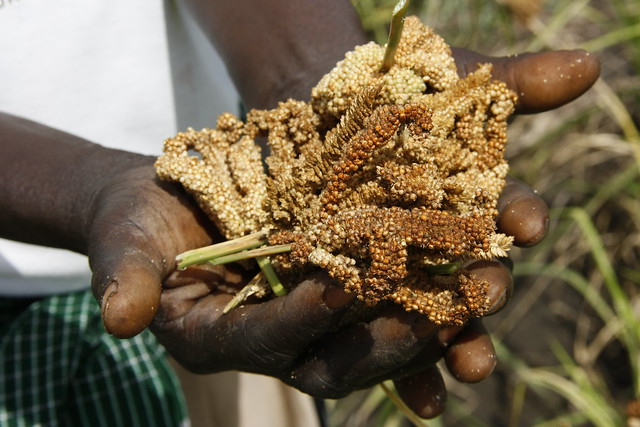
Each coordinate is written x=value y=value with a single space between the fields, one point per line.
x=569 y=341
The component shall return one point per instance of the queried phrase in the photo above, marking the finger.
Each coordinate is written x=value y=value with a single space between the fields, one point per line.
x=178 y=301
x=394 y=345
x=363 y=354
x=184 y=288
x=542 y=81
x=268 y=337
x=433 y=350
x=523 y=214
x=126 y=281
x=471 y=357
x=214 y=276
x=424 y=393
x=499 y=279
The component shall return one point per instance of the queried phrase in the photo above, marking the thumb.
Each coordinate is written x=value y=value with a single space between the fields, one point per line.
x=127 y=283
x=138 y=227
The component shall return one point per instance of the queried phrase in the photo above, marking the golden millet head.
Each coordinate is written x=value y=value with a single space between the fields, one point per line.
x=378 y=179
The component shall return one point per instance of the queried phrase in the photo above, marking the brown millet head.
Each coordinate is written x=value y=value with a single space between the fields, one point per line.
x=376 y=246
x=377 y=178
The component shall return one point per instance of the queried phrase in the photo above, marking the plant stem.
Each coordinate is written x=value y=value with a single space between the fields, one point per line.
x=395 y=32
x=207 y=253
x=255 y=287
x=253 y=253
x=270 y=274
x=245 y=247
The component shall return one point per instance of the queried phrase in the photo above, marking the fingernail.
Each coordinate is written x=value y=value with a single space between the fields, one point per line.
x=336 y=298
x=111 y=290
x=117 y=318
x=498 y=298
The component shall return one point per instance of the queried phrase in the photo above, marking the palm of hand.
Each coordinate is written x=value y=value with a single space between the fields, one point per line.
x=139 y=225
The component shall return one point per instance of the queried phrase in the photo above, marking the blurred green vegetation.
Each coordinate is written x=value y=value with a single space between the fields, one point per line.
x=569 y=341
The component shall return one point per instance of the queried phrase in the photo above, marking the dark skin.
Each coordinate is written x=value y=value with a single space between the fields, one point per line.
x=65 y=192
x=293 y=337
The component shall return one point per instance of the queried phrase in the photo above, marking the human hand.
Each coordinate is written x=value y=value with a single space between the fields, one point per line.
x=294 y=338
x=299 y=338
x=153 y=222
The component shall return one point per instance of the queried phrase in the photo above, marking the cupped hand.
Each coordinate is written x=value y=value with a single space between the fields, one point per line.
x=140 y=225
x=302 y=338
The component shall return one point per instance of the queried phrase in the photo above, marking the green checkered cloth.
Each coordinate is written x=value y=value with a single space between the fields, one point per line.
x=58 y=367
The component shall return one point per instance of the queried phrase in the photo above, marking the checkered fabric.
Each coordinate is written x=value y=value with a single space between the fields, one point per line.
x=58 y=367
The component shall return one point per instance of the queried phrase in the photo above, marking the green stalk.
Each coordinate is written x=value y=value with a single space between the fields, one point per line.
x=271 y=276
x=630 y=335
x=245 y=247
x=207 y=253
x=253 y=253
x=257 y=285
x=395 y=32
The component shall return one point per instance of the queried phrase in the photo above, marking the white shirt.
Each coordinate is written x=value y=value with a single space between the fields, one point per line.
x=124 y=74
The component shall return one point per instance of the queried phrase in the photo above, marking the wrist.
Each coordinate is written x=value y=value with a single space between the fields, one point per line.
x=50 y=182
x=103 y=169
